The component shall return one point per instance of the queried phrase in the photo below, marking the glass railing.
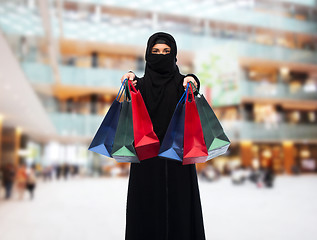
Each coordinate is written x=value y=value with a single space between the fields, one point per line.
x=312 y=3
x=76 y=124
x=279 y=90
x=237 y=130
x=21 y=20
x=87 y=125
x=228 y=12
x=97 y=77
x=38 y=72
x=94 y=77
x=90 y=76
x=281 y=131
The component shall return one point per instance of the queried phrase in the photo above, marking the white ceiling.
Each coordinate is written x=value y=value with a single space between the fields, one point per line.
x=19 y=104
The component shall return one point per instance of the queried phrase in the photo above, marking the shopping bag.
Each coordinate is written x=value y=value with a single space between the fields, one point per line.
x=123 y=149
x=172 y=144
x=103 y=140
x=217 y=142
x=195 y=150
x=146 y=143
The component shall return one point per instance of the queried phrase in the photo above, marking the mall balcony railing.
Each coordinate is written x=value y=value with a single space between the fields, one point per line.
x=246 y=130
x=211 y=11
x=311 y=3
x=100 y=77
x=278 y=90
x=279 y=131
x=189 y=41
x=95 y=77
x=72 y=124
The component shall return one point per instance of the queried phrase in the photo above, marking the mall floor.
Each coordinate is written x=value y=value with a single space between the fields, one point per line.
x=83 y=209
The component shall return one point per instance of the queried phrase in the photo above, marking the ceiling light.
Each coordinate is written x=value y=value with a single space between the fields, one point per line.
x=284 y=71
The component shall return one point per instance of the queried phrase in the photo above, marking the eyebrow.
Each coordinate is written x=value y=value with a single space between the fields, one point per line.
x=163 y=49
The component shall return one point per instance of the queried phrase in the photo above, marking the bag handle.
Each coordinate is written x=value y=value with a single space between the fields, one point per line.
x=122 y=85
x=129 y=86
x=133 y=87
x=191 y=90
x=192 y=84
x=127 y=91
x=183 y=96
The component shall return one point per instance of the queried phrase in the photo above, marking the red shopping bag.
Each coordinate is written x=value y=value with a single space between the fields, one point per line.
x=195 y=150
x=146 y=143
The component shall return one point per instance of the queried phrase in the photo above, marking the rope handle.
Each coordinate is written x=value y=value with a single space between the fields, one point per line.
x=133 y=87
x=183 y=96
x=127 y=91
x=192 y=84
x=121 y=90
x=190 y=92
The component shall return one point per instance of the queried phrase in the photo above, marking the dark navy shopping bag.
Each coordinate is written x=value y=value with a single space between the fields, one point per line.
x=172 y=145
x=103 y=141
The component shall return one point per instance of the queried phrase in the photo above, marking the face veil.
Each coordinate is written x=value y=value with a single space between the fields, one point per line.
x=160 y=63
x=161 y=82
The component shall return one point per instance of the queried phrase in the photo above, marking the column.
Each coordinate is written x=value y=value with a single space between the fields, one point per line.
x=17 y=139
x=246 y=153
x=288 y=149
x=1 y=121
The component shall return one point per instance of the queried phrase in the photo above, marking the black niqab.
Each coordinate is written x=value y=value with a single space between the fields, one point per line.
x=162 y=82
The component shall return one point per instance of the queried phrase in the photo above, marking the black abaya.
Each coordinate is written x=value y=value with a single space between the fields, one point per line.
x=163 y=201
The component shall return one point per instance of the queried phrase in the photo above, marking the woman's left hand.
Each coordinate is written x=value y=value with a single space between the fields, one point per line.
x=189 y=79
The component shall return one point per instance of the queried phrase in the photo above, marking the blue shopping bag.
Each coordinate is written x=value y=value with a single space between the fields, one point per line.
x=103 y=141
x=172 y=145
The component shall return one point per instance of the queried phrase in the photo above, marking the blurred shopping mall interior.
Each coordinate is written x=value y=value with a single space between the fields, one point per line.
x=61 y=62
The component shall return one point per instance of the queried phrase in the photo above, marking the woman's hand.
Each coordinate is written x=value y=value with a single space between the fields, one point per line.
x=189 y=79
x=129 y=76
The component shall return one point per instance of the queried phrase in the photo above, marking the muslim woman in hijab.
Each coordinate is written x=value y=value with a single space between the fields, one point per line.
x=163 y=201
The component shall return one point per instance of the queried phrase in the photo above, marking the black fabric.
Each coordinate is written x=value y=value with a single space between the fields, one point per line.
x=160 y=41
x=163 y=199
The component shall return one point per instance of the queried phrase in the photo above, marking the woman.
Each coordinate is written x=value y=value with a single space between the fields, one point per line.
x=8 y=175
x=21 y=179
x=163 y=199
x=31 y=181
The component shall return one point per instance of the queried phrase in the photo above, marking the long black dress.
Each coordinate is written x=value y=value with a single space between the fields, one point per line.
x=163 y=201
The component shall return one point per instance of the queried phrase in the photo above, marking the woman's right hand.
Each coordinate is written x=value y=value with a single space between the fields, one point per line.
x=129 y=76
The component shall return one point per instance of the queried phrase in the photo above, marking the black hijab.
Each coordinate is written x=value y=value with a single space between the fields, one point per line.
x=162 y=83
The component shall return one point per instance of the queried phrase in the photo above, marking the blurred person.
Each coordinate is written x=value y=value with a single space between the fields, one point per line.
x=238 y=175
x=21 y=178
x=163 y=199
x=115 y=171
x=227 y=169
x=296 y=169
x=24 y=48
x=8 y=175
x=260 y=177
x=269 y=175
x=58 y=170
x=255 y=175
x=94 y=59
x=209 y=173
x=47 y=173
x=66 y=170
x=31 y=181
